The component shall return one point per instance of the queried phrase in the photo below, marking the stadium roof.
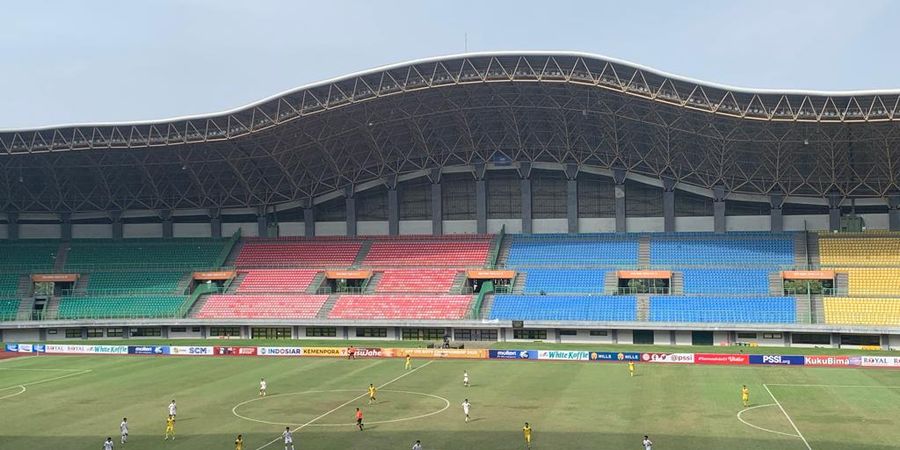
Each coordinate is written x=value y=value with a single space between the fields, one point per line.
x=540 y=107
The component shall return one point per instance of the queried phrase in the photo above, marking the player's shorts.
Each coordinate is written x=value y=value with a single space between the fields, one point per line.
x=359 y=421
x=745 y=397
x=169 y=429
x=528 y=439
x=288 y=441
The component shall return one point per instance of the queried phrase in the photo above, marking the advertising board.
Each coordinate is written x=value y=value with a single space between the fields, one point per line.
x=721 y=359
x=880 y=361
x=325 y=351
x=235 y=351
x=87 y=349
x=148 y=350
x=563 y=355
x=785 y=360
x=512 y=354
x=674 y=358
x=832 y=361
x=279 y=351
x=615 y=356
x=448 y=353
x=191 y=351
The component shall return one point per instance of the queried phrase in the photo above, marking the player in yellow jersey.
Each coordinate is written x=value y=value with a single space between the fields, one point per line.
x=526 y=430
x=631 y=368
x=408 y=362
x=745 y=396
x=239 y=442
x=170 y=427
x=372 y=391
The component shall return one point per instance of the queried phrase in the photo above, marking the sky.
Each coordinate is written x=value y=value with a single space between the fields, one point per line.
x=89 y=61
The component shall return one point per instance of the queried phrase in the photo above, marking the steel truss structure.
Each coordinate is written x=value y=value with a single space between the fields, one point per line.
x=572 y=109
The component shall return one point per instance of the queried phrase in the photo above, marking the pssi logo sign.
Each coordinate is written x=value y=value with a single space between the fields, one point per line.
x=786 y=360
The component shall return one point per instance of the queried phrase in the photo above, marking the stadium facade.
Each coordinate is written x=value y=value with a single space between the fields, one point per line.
x=577 y=146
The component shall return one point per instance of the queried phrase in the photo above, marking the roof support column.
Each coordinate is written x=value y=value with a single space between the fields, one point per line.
x=480 y=199
x=65 y=229
x=12 y=228
x=215 y=222
x=393 y=207
x=525 y=174
x=117 y=228
x=719 y=208
x=776 y=218
x=893 y=201
x=437 y=203
x=168 y=228
x=309 y=219
x=619 y=178
x=349 y=194
x=668 y=204
x=834 y=211
x=262 y=222
x=572 y=197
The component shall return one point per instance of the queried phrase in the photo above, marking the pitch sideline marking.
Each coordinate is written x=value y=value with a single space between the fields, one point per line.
x=23 y=389
x=850 y=386
x=345 y=404
x=46 y=380
x=401 y=419
x=799 y=434
x=757 y=427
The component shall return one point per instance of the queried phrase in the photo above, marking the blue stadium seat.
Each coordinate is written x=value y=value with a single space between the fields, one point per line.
x=723 y=309
x=561 y=307
x=726 y=281
x=560 y=250
x=708 y=250
x=564 y=281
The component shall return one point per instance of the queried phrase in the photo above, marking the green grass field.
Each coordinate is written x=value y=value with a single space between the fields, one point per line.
x=74 y=402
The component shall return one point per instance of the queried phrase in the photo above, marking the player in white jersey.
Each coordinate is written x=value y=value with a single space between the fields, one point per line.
x=173 y=409
x=647 y=443
x=466 y=405
x=466 y=378
x=417 y=446
x=262 y=387
x=288 y=438
x=123 y=429
x=108 y=444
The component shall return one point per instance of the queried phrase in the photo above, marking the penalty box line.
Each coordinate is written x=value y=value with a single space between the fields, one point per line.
x=799 y=434
x=325 y=414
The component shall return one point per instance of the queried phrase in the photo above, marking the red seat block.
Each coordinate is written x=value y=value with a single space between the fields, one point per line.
x=440 y=307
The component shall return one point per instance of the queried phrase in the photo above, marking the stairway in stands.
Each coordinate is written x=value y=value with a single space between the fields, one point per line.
x=316 y=283
x=52 y=308
x=643 y=307
x=610 y=283
x=61 y=255
x=328 y=306
x=644 y=252
x=25 y=286
x=812 y=250
x=372 y=283
x=518 y=287
x=81 y=285
x=801 y=251
x=776 y=284
x=818 y=309
x=184 y=283
x=26 y=304
x=363 y=252
x=235 y=251
x=503 y=255
x=803 y=311
x=842 y=284
x=486 y=305
x=677 y=287
x=197 y=306
x=236 y=283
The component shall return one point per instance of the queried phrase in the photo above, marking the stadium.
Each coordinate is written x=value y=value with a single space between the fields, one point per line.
x=483 y=206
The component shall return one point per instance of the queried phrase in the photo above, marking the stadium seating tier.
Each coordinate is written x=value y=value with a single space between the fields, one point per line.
x=261 y=306
x=562 y=307
x=554 y=250
x=123 y=306
x=416 y=281
x=726 y=281
x=564 y=281
x=723 y=309
x=276 y=280
x=418 y=307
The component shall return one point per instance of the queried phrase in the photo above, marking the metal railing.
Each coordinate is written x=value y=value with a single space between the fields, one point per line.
x=642 y=290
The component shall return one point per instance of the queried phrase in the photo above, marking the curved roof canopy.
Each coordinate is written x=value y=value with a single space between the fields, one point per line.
x=557 y=107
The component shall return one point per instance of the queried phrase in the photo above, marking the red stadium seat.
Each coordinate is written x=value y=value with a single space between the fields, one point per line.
x=441 y=307
x=416 y=280
x=262 y=306
x=441 y=252
x=298 y=253
x=276 y=280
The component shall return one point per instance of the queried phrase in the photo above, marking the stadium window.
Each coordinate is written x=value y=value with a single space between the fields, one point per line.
x=195 y=329
x=225 y=331
x=771 y=336
x=811 y=338
x=504 y=192
x=72 y=333
x=468 y=334
x=270 y=333
x=549 y=196
x=596 y=196
x=95 y=332
x=371 y=332
x=115 y=332
x=371 y=204
x=861 y=339
x=458 y=197
x=568 y=332
x=533 y=335
x=749 y=336
x=415 y=199
x=51 y=331
x=643 y=200
x=599 y=333
x=178 y=329
x=423 y=334
x=146 y=332
x=321 y=332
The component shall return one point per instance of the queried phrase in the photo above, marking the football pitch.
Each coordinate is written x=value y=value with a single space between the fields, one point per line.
x=75 y=402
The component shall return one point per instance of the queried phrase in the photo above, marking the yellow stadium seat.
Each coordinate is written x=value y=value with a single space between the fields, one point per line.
x=872 y=281
x=841 y=251
x=862 y=311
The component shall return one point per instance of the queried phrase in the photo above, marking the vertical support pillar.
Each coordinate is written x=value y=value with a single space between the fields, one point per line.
x=262 y=222
x=168 y=228
x=893 y=201
x=480 y=199
x=834 y=210
x=350 y=195
x=668 y=204
x=619 y=178
x=572 y=197
x=437 y=203
x=719 y=209
x=393 y=206
x=117 y=229
x=65 y=230
x=776 y=218
x=12 y=229
x=309 y=219
x=525 y=175
x=215 y=223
